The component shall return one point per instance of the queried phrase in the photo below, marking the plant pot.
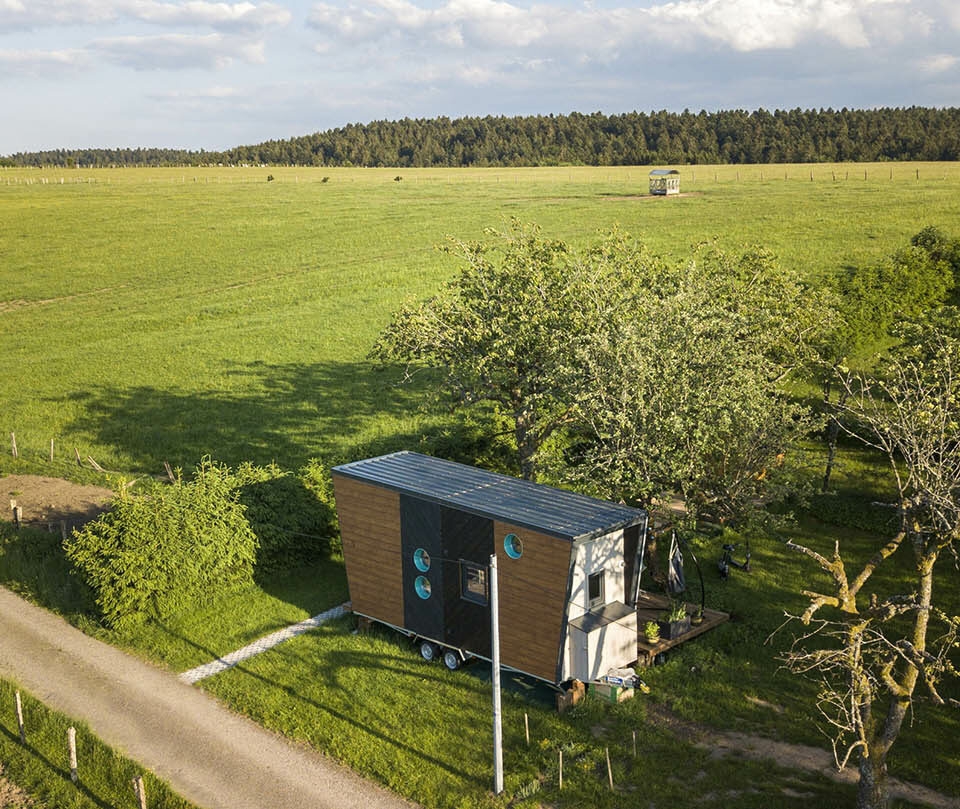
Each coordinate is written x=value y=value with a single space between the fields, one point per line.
x=652 y=641
x=674 y=629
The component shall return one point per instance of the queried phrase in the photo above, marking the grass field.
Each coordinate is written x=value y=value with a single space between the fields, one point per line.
x=41 y=767
x=151 y=315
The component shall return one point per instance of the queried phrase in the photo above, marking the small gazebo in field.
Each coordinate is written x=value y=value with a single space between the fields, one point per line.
x=664 y=181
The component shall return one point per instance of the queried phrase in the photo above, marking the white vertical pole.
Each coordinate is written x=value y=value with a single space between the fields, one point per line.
x=495 y=644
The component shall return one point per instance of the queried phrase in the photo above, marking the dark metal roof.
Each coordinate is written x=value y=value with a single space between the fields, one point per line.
x=659 y=172
x=542 y=508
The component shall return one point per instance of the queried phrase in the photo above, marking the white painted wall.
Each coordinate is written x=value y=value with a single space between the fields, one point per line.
x=604 y=553
x=611 y=646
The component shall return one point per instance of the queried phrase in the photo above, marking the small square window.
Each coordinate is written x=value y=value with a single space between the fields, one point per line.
x=595 y=589
x=473 y=582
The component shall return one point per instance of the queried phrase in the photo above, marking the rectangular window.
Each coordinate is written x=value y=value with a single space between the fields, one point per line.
x=595 y=589
x=473 y=582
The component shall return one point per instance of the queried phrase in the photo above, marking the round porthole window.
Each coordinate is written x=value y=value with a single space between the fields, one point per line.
x=513 y=546
x=421 y=559
x=422 y=586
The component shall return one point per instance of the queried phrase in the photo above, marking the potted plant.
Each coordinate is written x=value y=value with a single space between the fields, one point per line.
x=677 y=621
x=651 y=631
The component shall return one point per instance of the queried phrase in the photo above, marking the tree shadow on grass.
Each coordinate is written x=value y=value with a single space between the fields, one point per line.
x=33 y=564
x=286 y=413
x=344 y=659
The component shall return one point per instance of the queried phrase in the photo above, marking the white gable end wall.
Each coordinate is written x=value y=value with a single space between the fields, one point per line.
x=604 y=553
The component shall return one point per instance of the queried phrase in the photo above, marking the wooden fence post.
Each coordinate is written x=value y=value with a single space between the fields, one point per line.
x=51 y=450
x=561 y=769
x=72 y=745
x=634 y=744
x=63 y=529
x=23 y=735
x=169 y=472
x=17 y=516
x=13 y=445
x=609 y=771
x=77 y=453
x=526 y=728
x=140 y=791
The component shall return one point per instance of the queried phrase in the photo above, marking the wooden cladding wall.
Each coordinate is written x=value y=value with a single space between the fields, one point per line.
x=370 y=528
x=533 y=596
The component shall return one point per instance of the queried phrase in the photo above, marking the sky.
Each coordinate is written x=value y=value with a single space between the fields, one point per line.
x=196 y=74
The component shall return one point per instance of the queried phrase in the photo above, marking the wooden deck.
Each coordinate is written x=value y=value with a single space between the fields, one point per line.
x=652 y=607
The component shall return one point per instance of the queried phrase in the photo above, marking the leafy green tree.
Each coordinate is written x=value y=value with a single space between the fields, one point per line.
x=683 y=383
x=875 y=654
x=871 y=301
x=500 y=334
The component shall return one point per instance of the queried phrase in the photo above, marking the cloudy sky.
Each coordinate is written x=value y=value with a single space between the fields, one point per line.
x=199 y=74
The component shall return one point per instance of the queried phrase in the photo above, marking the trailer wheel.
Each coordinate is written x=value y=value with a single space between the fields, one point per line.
x=429 y=651
x=452 y=660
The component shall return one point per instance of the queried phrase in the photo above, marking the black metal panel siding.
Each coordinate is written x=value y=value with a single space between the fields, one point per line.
x=466 y=537
x=420 y=527
x=556 y=512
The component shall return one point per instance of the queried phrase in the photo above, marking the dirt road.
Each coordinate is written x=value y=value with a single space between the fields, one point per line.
x=207 y=753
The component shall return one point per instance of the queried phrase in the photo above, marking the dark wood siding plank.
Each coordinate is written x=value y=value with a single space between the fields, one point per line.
x=370 y=528
x=532 y=599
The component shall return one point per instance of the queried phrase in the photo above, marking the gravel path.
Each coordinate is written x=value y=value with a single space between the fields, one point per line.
x=207 y=753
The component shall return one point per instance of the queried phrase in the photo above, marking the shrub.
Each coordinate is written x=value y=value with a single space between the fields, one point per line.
x=854 y=511
x=292 y=516
x=159 y=553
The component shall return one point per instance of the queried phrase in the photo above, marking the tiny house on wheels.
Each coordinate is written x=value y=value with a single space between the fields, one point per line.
x=664 y=181
x=418 y=533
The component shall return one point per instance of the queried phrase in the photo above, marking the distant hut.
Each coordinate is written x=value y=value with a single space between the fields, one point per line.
x=664 y=181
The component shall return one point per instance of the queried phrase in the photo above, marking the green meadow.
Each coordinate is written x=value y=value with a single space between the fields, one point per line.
x=161 y=314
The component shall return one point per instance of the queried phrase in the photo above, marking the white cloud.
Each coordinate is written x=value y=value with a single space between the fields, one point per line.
x=937 y=63
x=22 y=15
x=18 y=14
x=223 y=16
x=41 y=63
x=178 y=51
x=741 y=25
x=199 y=94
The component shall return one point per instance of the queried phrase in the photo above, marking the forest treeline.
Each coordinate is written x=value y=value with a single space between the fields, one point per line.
x=635 y=138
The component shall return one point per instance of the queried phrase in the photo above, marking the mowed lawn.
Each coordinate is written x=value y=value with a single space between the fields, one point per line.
x=161 y=314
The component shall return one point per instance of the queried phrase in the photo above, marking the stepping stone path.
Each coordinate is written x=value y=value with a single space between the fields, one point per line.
x=266 y=642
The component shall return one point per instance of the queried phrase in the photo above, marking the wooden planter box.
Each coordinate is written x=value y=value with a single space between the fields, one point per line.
x=671 y=630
